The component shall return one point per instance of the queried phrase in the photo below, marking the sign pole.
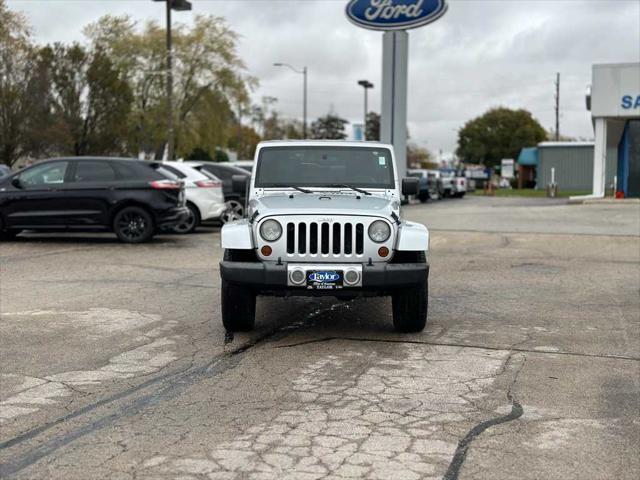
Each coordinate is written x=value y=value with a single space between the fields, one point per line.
x=393 y=122
x=394 y=18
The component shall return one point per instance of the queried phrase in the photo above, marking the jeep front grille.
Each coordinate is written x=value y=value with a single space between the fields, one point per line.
x=323 y=238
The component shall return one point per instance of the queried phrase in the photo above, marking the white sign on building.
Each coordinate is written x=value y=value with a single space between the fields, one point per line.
x=507 y=168
x=615 y=91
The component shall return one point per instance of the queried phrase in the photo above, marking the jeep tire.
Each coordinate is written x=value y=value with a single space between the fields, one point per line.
x=410 y=304
x=238 y=303
x=238 y=307
x=410 y=308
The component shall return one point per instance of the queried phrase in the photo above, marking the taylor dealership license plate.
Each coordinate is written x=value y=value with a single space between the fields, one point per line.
x=324 y=280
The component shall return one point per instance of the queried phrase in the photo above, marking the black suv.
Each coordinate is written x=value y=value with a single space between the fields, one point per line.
x=132 y=198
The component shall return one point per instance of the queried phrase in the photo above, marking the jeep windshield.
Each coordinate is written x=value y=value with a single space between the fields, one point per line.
x=324 y=167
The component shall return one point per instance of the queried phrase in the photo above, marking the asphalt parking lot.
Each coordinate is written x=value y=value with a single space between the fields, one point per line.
x=115 y=364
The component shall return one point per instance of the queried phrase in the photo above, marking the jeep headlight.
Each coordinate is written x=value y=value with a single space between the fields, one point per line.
x=270 y=230
x=379 y=231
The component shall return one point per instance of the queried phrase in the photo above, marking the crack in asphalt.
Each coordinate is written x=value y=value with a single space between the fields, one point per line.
x=177 y=381
x=463 y=445
x=461 y=345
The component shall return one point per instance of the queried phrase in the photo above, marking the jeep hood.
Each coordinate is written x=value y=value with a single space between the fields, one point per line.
x=324 y=204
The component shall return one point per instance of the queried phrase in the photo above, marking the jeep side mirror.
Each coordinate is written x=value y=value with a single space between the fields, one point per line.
x=17 y=183
x=239 y=184
x=410 y=186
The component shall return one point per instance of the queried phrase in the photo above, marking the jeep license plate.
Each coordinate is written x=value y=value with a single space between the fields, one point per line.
x=324 y=280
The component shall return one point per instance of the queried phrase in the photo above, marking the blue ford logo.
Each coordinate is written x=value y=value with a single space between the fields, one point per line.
x=324 y=277
x=395 y=14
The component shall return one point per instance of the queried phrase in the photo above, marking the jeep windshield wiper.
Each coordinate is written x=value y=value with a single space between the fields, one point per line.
x=300 y=189
x=344 y=185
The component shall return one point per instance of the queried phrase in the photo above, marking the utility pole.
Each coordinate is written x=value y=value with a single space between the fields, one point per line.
x=366 y=84
x=304 y=103
x=170 y=131
x=557 y=106
x=179 y=6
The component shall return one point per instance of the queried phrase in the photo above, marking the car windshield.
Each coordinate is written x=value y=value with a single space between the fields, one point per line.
x=360 y=167
x=207 y=174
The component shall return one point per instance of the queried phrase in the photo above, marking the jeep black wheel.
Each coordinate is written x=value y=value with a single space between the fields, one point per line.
x=410 y=305
x=238 y=307
x=410 y=308
x=133 y=225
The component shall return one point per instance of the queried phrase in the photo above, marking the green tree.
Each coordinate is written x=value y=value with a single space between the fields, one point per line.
x=329 y=127
x=262 y=117
x=243 y=141
x=200 y=154
x=209 y=77
x=292 y=129
x=419 y=157
x=90 y=100
x=499 y=133
x=373 y=126
x=271 y=125
x=551 y=136
x=25 y=108
x=220 y=156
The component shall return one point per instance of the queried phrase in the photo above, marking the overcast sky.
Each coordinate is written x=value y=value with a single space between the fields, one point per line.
x=482 y=53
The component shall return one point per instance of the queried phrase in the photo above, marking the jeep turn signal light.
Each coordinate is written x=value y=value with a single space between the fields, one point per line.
x=266 y=251
x=383 y=252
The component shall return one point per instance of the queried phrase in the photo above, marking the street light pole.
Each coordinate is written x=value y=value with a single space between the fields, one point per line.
x=304 y=105
x=303 y=72
x=170 y=132
x=179 y=6
x=366 y=85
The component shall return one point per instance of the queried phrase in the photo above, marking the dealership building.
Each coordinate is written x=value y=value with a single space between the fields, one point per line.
x=614 y=102
x=609 y=164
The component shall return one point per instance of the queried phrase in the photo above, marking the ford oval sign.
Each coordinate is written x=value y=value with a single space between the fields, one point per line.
x=324 y=277
x=395 y=14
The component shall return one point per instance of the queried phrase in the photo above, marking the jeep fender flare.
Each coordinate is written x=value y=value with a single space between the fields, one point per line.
x=413 y=237
x=237 y=235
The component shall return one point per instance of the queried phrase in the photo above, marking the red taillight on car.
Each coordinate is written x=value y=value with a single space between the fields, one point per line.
x=207 y=184
x=166 y=185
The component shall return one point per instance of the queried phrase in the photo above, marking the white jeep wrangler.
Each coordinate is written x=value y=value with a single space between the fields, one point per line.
x=323 y=219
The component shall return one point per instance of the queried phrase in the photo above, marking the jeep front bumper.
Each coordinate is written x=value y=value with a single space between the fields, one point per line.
x=375 y=279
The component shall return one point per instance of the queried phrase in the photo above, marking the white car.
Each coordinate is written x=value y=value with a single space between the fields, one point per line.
x=205 y=198
x=453 y=184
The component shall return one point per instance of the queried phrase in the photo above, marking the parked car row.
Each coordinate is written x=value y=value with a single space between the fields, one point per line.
x=438 y=184
x=132 y=198
x=234 y=201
